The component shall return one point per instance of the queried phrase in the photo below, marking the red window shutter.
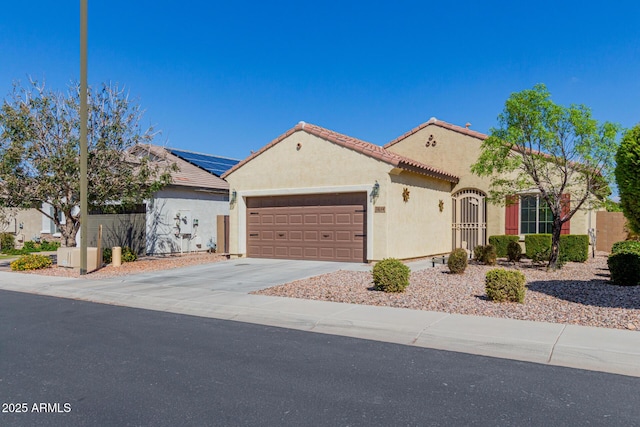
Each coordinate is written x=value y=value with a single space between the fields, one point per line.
x=511 y=215
x=565 y=201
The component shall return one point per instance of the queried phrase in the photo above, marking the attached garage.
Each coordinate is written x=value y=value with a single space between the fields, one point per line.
x=315 y=194
x=324 y=227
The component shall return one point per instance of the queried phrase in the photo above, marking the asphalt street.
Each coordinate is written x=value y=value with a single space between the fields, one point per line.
x=73 y=363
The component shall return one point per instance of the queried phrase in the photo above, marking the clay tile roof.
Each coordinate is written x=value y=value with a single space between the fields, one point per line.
x=358 y=145
x=435 y=122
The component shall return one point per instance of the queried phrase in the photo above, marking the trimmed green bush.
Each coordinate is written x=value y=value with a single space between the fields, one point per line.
x=485 y=254
x=505 y=285
x=7 y=241
x=128 y=255
x=501 y=242
x=49 y=246
x=106 y=255
x=30 y=246
x=31 y=262
x=391 y=275
x=536 y=245
x=624 y=267
x=574 y=247
x=457 y=261
x=514 y=251
x=625 y=245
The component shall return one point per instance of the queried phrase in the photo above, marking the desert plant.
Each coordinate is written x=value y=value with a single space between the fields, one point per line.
x=625 y=245
x=574 y=247
x=128 y=255
x=30 y=246
x=624 y=267
x=107 y=255
x=457 y=261
x=7 y=241
x=478 y=253
x=536 y=245
x=390 y=275
x=500 y=242
x=485 y=254
x=49 y=246
x=505 y=285
x=31 y=262
x=514 y=251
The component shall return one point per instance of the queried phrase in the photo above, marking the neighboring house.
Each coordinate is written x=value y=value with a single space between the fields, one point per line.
x=183 y=216
x=316 y=194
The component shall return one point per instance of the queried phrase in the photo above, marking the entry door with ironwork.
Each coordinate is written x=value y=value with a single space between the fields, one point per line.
x=469 y=224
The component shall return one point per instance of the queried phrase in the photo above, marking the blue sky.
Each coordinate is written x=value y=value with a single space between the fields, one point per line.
x=227 y=77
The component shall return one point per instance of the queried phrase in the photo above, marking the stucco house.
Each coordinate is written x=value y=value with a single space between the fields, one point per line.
x=187 y=215
x=317 y=194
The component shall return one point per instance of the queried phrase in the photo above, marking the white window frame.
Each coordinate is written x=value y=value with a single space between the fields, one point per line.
x=538 y=197
x=47 y=223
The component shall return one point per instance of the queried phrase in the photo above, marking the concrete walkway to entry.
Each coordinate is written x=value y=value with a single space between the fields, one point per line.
x=221 y=290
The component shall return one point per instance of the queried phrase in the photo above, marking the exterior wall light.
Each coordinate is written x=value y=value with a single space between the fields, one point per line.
x=375 y=192
x=234 y=197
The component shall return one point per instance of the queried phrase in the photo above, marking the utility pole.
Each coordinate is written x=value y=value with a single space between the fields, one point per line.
x=83 y=137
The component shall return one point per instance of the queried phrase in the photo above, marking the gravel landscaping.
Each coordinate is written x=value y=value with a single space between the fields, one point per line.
x=579 y=293
x=141 y=265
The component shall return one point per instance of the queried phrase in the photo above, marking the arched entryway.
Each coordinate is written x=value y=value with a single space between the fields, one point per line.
x=469 y=223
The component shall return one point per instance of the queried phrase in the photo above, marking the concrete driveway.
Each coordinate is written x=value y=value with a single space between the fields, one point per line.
x=242 y=275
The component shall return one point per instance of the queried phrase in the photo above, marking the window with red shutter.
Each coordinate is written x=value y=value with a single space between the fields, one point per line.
x=511 y=215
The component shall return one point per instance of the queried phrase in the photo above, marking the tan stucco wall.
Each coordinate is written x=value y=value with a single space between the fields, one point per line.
x=31 y=221
x=417 y=227
x=455 y=152
x=319 y=165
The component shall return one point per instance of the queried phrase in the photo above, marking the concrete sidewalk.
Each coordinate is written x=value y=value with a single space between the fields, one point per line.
x=599 y=349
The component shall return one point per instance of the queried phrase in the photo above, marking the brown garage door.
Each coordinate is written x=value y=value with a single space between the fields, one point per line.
x=327 y=227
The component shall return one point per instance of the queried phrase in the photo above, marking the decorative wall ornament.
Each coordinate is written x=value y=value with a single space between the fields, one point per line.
x=431 y=142
x=405 y=194
x=441 y=205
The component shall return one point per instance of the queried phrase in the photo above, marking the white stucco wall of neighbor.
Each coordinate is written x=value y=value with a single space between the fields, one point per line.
x=197 y=226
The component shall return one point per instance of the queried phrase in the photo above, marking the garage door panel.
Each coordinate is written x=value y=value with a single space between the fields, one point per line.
x=344 y=236
x=311 y=252
x=323 y=227
x=327 y=253
x=311 y=236
x=327 y=236
x=296 y=252
x=310 y=219
x=344 y=218
x=327 y=218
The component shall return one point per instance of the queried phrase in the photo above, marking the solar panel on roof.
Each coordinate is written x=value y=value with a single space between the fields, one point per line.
x=212 y=164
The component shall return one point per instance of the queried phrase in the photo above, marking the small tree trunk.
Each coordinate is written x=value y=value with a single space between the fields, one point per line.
x=68 y=232
x=555 y=245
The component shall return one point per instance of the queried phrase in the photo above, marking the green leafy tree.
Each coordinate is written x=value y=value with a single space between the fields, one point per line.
x=550 y=149
x=40 y=150
x=628 y=177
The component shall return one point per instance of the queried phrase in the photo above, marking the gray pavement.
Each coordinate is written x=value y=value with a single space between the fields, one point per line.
x=221 y=290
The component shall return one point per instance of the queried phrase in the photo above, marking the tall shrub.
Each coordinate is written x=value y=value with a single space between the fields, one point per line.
x=627 y=175
x=500 y=242
x=574 y=247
